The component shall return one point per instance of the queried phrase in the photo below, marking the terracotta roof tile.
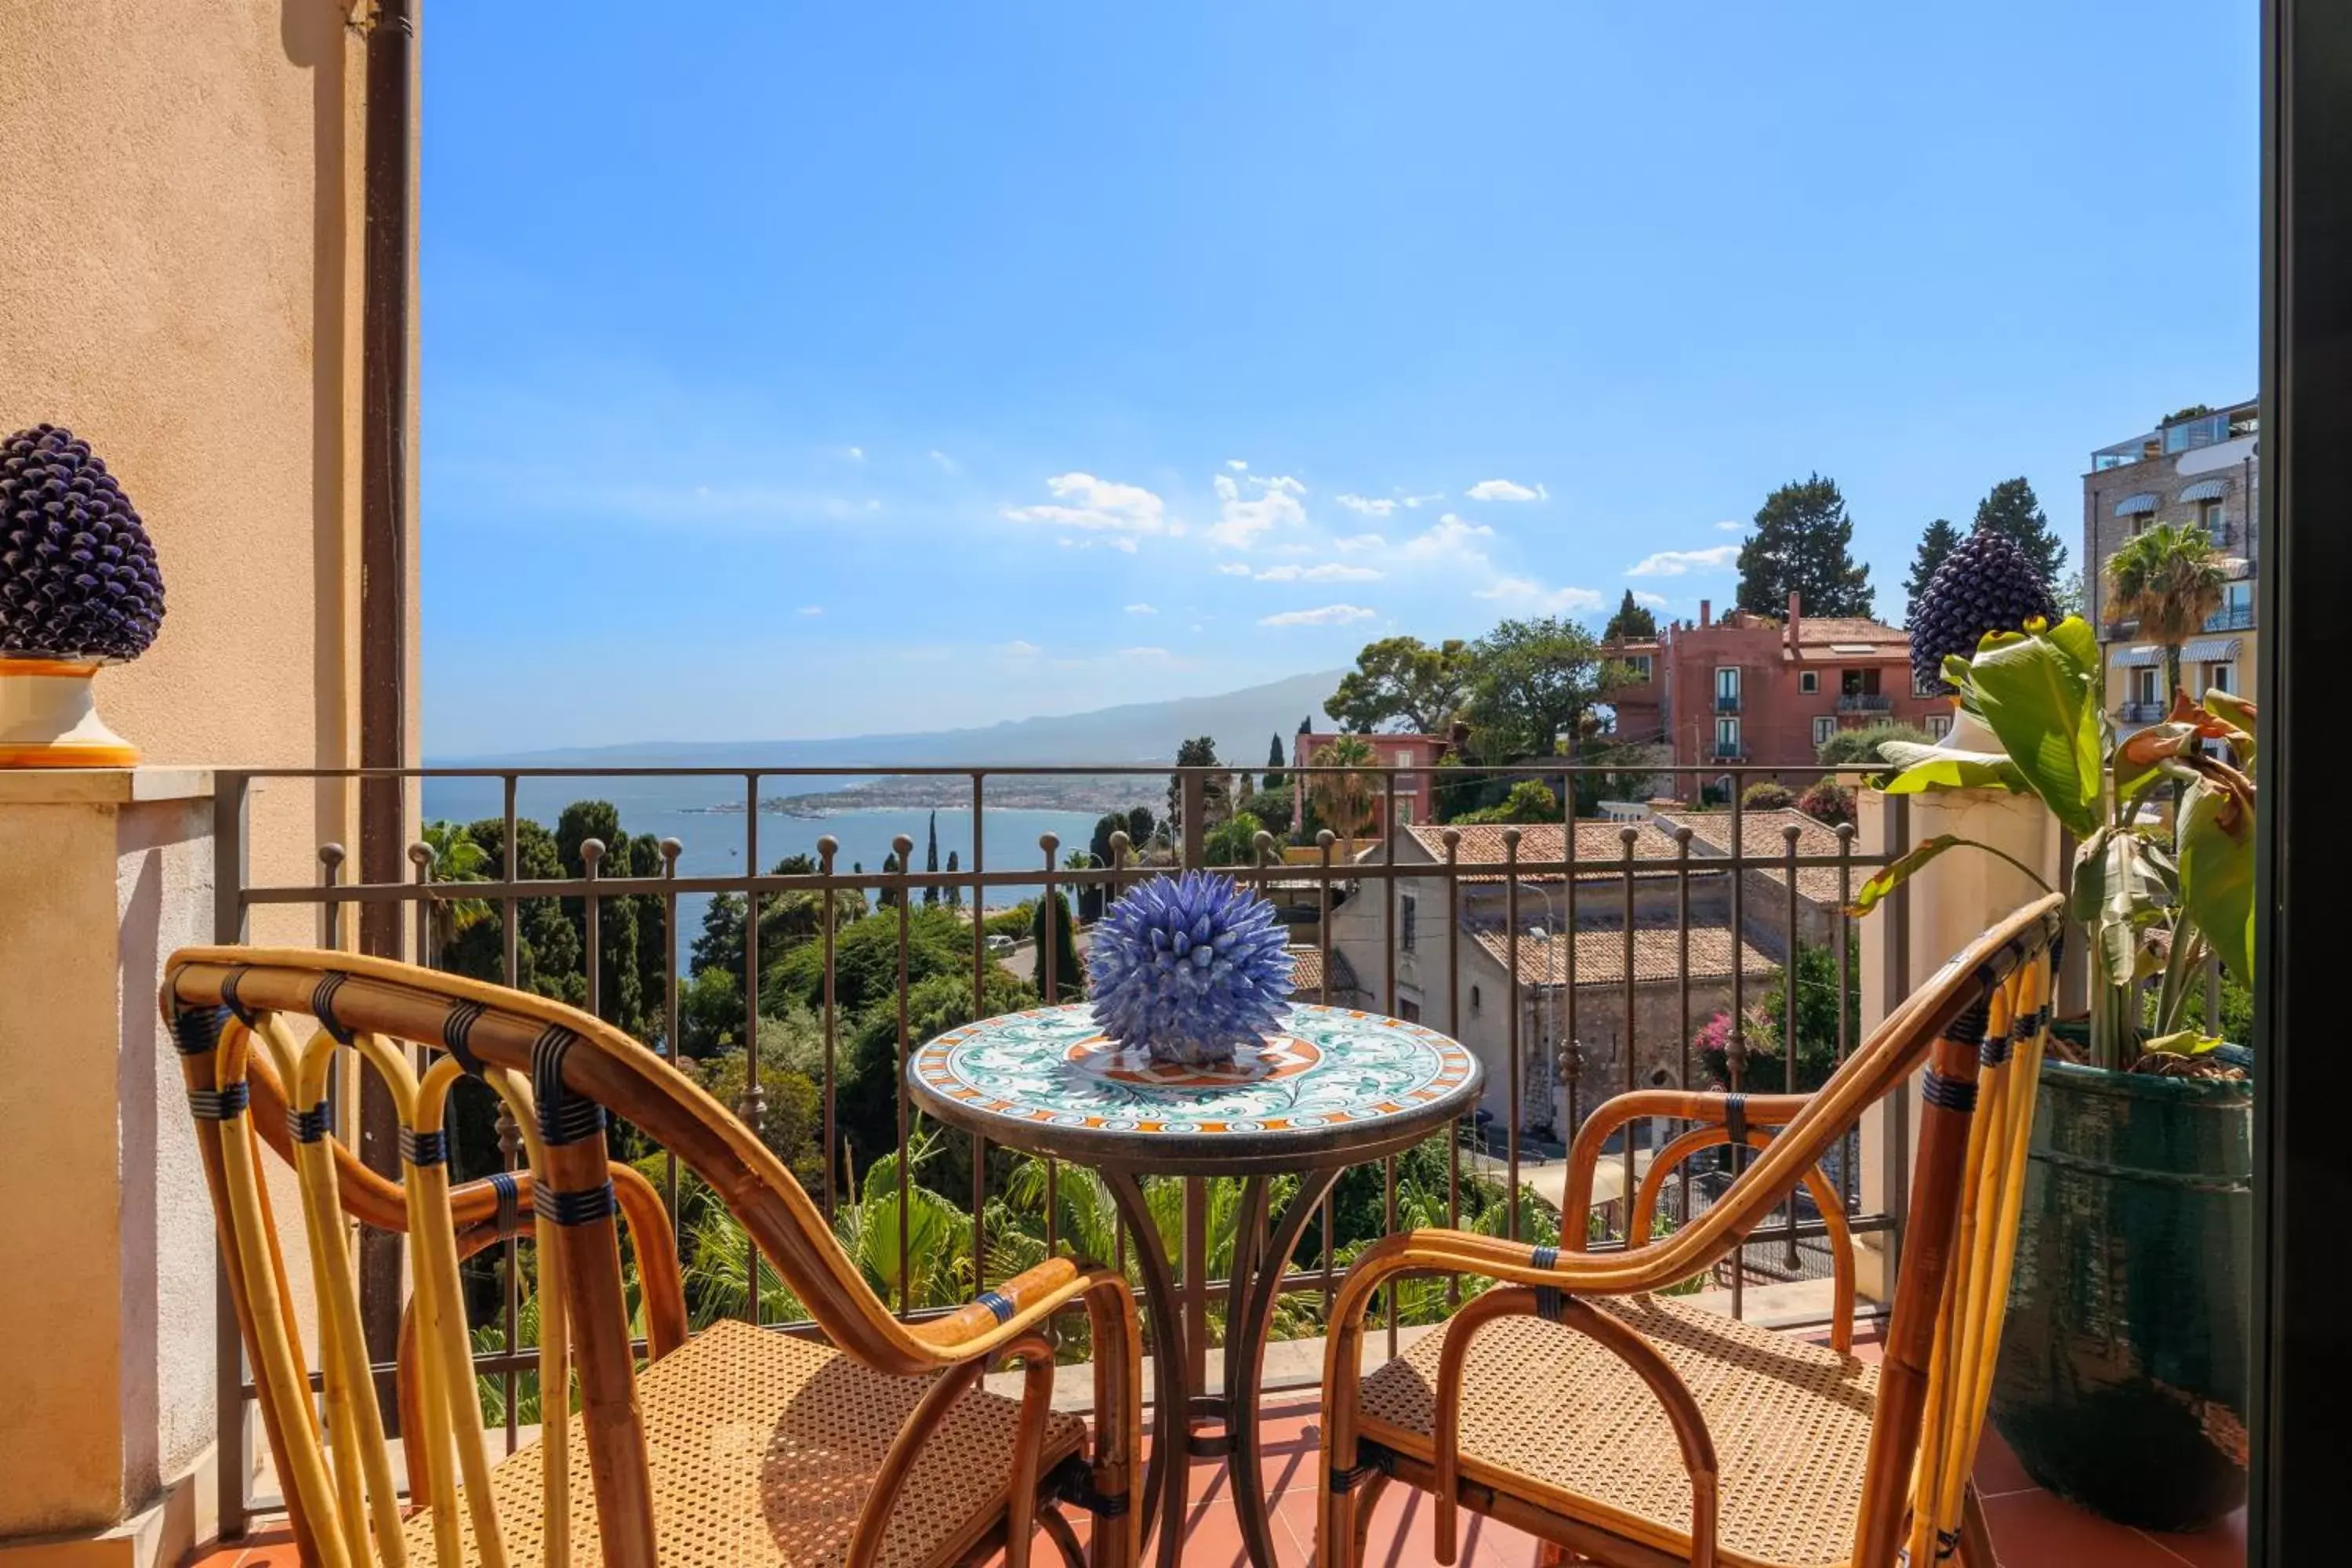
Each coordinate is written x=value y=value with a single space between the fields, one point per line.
x=1601 y=843
x=1600 y=955
x=1765 y=839
x=1819 y=631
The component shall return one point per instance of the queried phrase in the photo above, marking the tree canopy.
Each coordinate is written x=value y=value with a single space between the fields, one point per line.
x=1631 y=621
x=2012 y=510
x=1803 y=545
x=1533 y=680
x=1199 y=751
x=2169 y=578
x=1403 y=683
x=1933 y=545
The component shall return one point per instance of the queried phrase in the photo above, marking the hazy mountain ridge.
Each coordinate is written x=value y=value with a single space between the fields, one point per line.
x=1242 y=721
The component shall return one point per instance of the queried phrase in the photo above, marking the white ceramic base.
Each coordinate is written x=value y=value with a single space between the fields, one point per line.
x=48 y=718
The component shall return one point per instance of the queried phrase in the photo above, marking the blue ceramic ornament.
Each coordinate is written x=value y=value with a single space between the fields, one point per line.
x=1188 y=968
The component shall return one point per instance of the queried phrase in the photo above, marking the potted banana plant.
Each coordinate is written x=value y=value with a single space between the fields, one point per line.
x=2122 y=1380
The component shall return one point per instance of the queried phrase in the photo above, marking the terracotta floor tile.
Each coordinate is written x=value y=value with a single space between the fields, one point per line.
x=2223 y=1546
x=2034 y=1530
x=1997 y=1471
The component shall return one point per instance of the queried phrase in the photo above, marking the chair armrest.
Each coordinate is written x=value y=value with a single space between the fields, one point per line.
x=1682 y=1105
x=994 y=1318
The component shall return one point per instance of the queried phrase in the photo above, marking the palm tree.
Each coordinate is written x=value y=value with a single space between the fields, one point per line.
x=1345 y=799
x=2169 y=579
x=456 y=857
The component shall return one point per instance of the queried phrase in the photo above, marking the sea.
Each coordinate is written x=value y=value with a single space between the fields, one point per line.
x=705 y=815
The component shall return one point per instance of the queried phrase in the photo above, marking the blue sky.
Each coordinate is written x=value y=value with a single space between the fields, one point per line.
x=804 y=371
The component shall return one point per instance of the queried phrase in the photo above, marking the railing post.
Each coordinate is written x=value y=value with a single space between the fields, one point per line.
x=1192 y=808
x=233 y=1434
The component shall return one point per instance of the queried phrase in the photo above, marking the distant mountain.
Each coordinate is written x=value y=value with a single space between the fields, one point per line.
x=1242 y=723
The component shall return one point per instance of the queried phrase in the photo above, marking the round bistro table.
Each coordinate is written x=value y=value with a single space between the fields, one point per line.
x=1336 y=1087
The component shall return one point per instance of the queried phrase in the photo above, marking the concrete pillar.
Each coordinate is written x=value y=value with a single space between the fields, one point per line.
x=106 y=1233
x=1951 y=902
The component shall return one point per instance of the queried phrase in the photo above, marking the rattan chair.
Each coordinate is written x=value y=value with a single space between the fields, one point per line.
x=734 y=1446
x=1626 y=1427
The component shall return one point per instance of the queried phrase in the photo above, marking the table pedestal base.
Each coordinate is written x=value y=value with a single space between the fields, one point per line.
x=1254 y=1283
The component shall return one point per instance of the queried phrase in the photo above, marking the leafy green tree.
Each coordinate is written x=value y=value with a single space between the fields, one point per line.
x=1530 y=800
x=1089 y=895
x=2068 y=598
x=1803 y=543
x=456 y=857
x=1402 y=682
x=1535 y=680
x=547 y=952
x=937 y=1001
x=1235 y=842
x=1069 y=978
x=1098 y=842
x=1632 y=622
x=886 y=897
x=2169 y=578
x=1818 y=998
x=1859 y=747
x=2012 y=511
x=866 y=962
x=1274 y=781
x=1933 y=545
x=1201 y=751
x=1139 y=825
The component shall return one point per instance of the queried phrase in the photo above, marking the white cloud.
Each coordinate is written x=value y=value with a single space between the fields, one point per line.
x=1101 y=506
x=1503 y=490
x=1525 y=593
x=1019 y=649
x=1675 y=562
x=1370 y=506
x=946 y=462
x=1730 y=526
x=1282 y=482
x=1354 y=542
x=1423 y=501
x=1146 y=654
x=1141 y=610
x=1238 y=465
x=812 y=610
x=1450 y=539
x=855 y=454
x=1324 y=572
x=1117 y=542
x=1656 y=600
x=1328 y=616
x=1241 y=521
x=1232 y=569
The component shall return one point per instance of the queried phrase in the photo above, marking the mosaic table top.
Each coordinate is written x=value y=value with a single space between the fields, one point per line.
x=1334 y=1084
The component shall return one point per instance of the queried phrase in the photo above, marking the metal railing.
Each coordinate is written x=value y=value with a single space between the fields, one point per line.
x=1727 y=702
x=1864 y=703
x=2236 y=618
x=2141 y=712
x=1346 y=909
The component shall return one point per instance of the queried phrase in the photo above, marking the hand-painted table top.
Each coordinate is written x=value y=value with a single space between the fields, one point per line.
x=1335 y=1085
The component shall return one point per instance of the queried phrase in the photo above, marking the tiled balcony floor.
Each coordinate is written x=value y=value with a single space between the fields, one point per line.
x=2030 y=1527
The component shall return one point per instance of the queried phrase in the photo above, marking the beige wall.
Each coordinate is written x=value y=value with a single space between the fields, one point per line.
x=179 y=283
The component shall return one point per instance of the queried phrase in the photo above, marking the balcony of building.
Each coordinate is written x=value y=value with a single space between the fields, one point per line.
x=1864 y=703
x=2185 y=432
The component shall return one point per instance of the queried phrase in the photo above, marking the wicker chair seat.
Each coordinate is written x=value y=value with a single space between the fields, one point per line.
x=762 y=1449
x=1544 y=1405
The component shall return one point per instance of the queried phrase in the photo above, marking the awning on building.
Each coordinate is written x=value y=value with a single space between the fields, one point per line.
x=2134 y=506
x=2209 y=650
x=2205 y=489
x=2126 y=658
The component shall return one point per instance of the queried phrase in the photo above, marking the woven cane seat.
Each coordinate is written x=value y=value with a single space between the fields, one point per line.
x=762 y=1449
x=1544 y=1403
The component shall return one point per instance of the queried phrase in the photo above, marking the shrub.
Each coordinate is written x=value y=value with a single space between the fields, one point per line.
x=1530 y=800
x=1850 y=748
x=1767 y=794
x=1826 y=800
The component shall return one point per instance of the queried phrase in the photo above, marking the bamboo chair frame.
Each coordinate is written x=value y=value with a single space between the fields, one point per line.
x=560 y=1071
x=1979 y=1026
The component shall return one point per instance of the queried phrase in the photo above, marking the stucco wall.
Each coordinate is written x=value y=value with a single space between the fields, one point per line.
x=179 y=286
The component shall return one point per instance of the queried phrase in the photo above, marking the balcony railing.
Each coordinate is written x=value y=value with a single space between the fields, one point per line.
x=1864 y=703
x=2141 y=712
x=817 y=957
x=1727 y=702
x=1728 y=750
x=2237 y=618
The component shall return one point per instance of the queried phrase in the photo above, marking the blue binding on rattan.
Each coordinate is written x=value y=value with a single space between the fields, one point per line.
x=1551 y=1303
x=563 y=1117
x=307 y=1126
x=232 y=1001
x=197 y=1030
x=223 y=1104
x=997 y=1305
x=1546 y=1258
x=1950 y=1094
x=322 y=1005
x=509 y=1212
x=424 y=1148
x=1735 y=1118
x=574 y=1208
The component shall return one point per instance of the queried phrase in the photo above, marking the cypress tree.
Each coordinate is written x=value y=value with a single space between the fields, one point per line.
x=1631 y=621
x=931 y=862
x=1803 y=543
x=1933 y=545
x=955 y=894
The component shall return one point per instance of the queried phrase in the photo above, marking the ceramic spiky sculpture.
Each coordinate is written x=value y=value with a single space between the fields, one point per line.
x=1188 y=969
x=79 y=588
x=1985 y=584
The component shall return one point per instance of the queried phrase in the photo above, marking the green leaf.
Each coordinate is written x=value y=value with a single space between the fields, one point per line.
x=2123 y=884
x=2037 y=696
x=2185 y=1042
x=2217 y=875
x=2077 y=641
x=1894 y=873
x=1930 y=767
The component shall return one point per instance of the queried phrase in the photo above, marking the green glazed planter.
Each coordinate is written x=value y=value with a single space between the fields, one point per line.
x=2122 y=1381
